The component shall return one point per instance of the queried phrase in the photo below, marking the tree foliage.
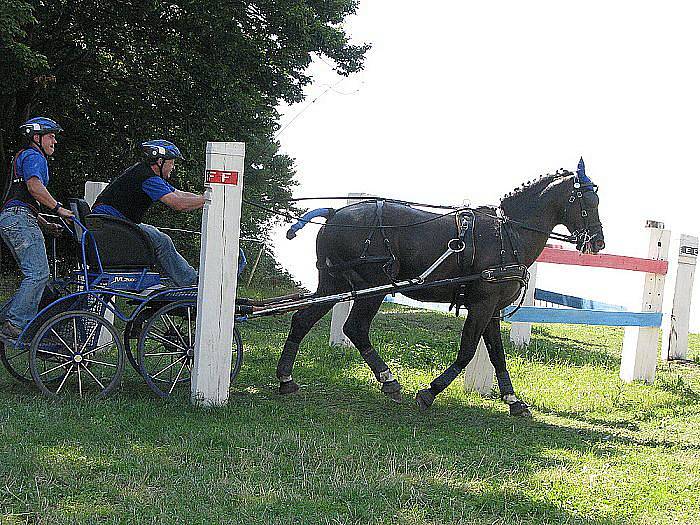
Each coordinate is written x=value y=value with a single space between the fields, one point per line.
x=117 y=73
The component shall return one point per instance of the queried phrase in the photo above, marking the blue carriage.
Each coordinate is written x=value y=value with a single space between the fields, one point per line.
x=113 y=307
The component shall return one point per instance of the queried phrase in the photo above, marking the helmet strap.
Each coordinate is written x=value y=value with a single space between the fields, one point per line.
x=38 y=144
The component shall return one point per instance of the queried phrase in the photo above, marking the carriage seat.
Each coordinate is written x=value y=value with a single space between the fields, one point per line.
x=121 y=244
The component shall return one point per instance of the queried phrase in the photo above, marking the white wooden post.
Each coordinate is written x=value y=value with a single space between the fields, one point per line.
x=478 y=374
x=218 y=264
x=520 y=332
x=640 y=344
x=674 y=344
x=92 y=190
x=341 y=311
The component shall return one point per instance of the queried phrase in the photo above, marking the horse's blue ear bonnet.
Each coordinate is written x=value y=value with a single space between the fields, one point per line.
x=581 y=176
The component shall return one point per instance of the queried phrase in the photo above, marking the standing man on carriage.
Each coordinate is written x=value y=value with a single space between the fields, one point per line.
x=20 y=221
x=132 y=193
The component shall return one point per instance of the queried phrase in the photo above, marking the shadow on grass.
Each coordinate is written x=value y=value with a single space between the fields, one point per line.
x=338 y=450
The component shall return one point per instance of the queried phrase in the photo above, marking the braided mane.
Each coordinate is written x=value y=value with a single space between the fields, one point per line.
x=534 y=186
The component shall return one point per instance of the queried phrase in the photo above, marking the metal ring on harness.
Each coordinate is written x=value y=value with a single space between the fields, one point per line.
x=456 y=245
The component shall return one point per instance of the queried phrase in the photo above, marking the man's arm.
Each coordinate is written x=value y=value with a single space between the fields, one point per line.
x=41 y=194
x=183 y=201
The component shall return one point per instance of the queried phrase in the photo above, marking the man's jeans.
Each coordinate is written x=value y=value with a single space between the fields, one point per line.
x=20 y=231
x=172 y=263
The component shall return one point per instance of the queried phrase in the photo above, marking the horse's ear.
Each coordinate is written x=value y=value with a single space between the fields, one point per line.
x=581 y=176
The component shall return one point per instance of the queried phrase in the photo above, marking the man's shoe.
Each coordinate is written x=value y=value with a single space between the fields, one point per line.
x=9 y=330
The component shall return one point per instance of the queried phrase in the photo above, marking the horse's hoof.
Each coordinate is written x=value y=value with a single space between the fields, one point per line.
x=424 y=398
x=288 y=387
x=520 y=409
x=393 y=390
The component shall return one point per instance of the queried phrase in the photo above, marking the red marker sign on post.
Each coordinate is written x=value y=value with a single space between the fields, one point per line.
x=222 y=177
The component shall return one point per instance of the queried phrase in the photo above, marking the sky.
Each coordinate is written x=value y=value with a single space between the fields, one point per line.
x=460 y=102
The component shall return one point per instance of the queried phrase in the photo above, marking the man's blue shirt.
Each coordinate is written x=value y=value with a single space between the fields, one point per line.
x=155 y=187
x=30 y=163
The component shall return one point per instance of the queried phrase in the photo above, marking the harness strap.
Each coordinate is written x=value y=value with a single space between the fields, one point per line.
x=465 y=222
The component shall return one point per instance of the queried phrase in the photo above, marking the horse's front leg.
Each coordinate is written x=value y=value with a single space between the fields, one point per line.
x=494 y=344
x=477 y=319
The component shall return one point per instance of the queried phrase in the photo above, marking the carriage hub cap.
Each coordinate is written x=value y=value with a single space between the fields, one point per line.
x=77 y=358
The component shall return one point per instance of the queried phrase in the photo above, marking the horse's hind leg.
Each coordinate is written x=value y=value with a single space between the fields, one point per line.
x=494 y=344
x=357 y=329
x=302 y=322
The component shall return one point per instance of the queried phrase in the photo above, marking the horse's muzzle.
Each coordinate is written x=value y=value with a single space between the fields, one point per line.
x=588 y=243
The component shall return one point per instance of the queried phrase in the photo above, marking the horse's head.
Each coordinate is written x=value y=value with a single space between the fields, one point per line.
x=581 y=213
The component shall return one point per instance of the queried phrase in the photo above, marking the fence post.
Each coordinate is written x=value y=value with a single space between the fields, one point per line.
x=674 y=344
x=640 y=344
x=341 y=311
x=218 y=264
x=92 y=190
x=478 y=374
x=520 y=332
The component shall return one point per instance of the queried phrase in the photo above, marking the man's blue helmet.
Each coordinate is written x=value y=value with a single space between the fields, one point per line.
x=39 y=126
x=160 y=149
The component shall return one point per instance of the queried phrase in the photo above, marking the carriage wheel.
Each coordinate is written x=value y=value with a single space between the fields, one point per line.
x=16 y=361
x=166 y=348
x=77 y=351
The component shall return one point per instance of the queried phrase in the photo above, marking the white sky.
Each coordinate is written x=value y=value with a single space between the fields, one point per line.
x=465 y=100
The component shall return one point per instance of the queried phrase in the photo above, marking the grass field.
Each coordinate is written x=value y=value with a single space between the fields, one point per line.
x=597 y=451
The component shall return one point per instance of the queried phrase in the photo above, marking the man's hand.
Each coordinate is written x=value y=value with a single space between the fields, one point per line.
x=65 y=214
x=53 y=229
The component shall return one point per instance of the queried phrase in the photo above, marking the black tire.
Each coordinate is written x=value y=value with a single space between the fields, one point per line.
x=128 y=338
x=166 y=348
x=77 y=351
x=16 y=361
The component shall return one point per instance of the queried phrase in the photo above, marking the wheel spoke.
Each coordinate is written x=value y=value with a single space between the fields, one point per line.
x=189 y=326
x=168 y=342
x=90 y=352
x=172 y=325
x=11 y=357
x=48 y=352
x=80 y=383
x=101 y=363
x=93 y=376
x=62 y=341
x=75 y=334
x=65 y=377
x=177 y=378
x=62 y=365
x=89 y=337
x=169 y=366
x=162 y=353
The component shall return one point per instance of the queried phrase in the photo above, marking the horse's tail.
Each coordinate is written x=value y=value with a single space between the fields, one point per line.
x=326 y=213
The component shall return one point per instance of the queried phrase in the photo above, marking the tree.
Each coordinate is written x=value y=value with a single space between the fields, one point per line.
x=117 y=73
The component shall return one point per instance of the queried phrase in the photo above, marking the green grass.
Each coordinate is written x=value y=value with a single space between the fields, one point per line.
x=597 y=451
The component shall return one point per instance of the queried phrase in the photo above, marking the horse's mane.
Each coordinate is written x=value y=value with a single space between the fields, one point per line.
x=534 y=186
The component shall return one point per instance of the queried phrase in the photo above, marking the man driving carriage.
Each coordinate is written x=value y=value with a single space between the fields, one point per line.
x=132 y=193
x=20 y=221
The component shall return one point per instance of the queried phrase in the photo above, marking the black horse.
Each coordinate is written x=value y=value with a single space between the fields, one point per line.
x=376 y=242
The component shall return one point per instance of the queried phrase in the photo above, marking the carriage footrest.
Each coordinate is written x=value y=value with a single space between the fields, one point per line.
x=510 y=272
